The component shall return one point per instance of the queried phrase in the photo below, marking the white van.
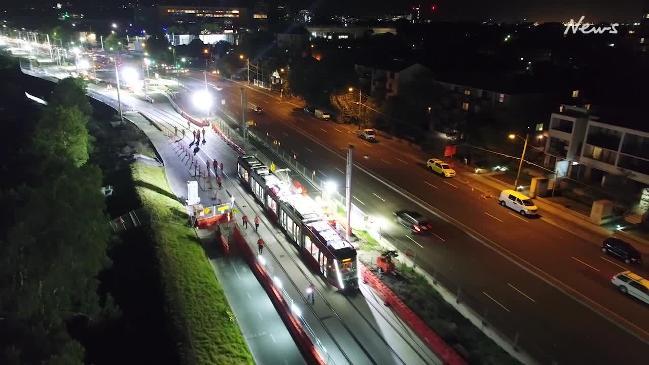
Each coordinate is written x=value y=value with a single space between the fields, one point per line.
x=518 y=202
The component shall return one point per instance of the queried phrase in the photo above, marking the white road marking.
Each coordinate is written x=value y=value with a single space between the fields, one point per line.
x=381 y=199
x=272 y=338
x=341 y=171
x=494 y=217
x=322 y=173
x=260 y=317
x=591 y=266
x=324 y=130
x=439 y=237
x=417 y=243
x=398 y=159
x=521 y=292
x=446 y=182
x=495 y=301
x=386 y=161
x=518 y=216
x=308 y=149
x=338 y=130
x=358 y=200
x=431 y=185
x=614 y=263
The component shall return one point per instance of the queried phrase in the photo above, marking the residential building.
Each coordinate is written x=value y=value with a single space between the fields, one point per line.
x=340 y=32
x=607 y=147
x=227 y=17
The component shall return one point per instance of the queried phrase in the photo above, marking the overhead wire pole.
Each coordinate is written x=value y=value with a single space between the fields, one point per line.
x=348 y=191
x=244 y=104
x=119 y=99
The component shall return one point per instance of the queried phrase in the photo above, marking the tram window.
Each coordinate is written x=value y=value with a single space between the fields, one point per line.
x=308 y=244
x=315 y=252
x=272 y=204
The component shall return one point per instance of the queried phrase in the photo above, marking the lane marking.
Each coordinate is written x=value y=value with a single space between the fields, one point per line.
x=417 y=243
x=578 y=260
x=308 y=149
x=519 y=217
x=381 y=199
x=448 y=183
x=494 y=217
x=358 y=200
x=614 y=263
x=495 y=301
x=338 y=130
x=322 y=173
x=324 y=130
x=431 y=185
x=386 y=161
x=521 y=292
x=398 y=159
x=438 y=237
x=260 y=317
x=341 y=171
x=272 y=338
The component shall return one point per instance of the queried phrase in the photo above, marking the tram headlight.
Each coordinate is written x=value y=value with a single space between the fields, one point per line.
x=338 y=276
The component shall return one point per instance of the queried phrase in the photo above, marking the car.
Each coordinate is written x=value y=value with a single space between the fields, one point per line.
x=622 y=250
x=632 y=284
x=309 y=109
x=416 y=222
x=517 y=201
x=440 y=167
x=368 y=135
x=257 y=109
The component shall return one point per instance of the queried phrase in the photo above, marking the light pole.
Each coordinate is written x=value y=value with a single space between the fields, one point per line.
x=119 y=99
x=173 y=52
x=241 y=56
x=520 y=163
x=360 y=103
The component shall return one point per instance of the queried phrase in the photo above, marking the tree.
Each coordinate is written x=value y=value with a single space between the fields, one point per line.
x=71 y=92
x=62 y=133
x=113 y=43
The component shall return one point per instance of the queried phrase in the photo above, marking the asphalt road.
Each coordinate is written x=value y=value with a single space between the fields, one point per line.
x=532 y=280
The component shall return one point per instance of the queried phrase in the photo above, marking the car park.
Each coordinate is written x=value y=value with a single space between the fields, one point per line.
x=622 y=250
x=416 y=222
x=632 y=284
x=518 y=202
x=440 y=167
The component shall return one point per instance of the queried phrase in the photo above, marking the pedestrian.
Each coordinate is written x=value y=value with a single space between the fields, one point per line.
x=175 y=131
x=203 y=130
x=183 y=133
x=256 y=223
x=216 y=167
x=310 y=293
x=221 y=165
x=189 y=125
x=260 y=246
x=244 y=219
x=218 y=181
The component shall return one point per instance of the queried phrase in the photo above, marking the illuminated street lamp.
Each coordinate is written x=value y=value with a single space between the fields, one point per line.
x=202 y=99
x=513 y=136
x=241 y=57
x=114 y=25
x=360 y=103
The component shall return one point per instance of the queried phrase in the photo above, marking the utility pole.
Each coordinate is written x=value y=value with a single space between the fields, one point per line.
x=360 y=103
x=520 y=164
x=348 y=191
x=119 y=100
x=244 y=104
x=248 y=64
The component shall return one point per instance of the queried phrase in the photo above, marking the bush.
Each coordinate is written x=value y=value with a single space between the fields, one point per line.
x=194 y=300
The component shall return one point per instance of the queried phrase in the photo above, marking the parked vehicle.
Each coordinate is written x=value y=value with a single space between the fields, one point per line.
x=416 y=222
x=632 y=284
x=309 y=109
x=257 y=109
x=518 y=202
x=440 y=167
x=368 y=135
x=622 y=250
x=321 y=114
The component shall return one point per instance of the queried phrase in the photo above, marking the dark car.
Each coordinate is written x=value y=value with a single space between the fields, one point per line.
x=413 y=220
x=622 y=250
x=309 y=109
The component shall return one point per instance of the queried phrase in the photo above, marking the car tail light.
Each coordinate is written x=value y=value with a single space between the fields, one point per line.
x=416 y=227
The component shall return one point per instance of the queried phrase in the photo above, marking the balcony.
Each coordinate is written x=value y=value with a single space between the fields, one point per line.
x=599 y=154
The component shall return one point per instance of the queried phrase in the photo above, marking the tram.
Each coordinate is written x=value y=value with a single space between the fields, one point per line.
x=320 y=245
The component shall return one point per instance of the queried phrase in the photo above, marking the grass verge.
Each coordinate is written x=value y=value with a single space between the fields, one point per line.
x=368 y=243
x=194 y=301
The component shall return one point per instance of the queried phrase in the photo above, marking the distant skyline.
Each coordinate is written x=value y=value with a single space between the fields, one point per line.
x=465 y=10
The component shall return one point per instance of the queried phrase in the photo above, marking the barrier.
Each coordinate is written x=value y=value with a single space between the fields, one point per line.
x=446 y=353
x=293 y=325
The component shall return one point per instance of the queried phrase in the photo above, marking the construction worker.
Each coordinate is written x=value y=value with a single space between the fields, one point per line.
x=221 y=166
x=183 y=133
x=310 y=293
x=218 y=181
x=175 y=131
x=260 y=246
x=256 y=223
x=216 y=167
x=244 y=219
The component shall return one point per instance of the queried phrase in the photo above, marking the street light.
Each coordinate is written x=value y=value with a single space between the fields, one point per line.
x=114 y=25
x=241 y=57
x=202 y=99
x=360 y=103
x=513 y=136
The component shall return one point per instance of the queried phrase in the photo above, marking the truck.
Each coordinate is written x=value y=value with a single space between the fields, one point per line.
x=321 y=114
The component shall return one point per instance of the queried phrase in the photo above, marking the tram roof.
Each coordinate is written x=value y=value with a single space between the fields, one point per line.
x=328 y=234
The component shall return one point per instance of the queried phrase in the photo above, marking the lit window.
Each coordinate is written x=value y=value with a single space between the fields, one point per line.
x=465 y=106
x=575 y=93
x=642 y=40
x=501 y=98
x=467 y=92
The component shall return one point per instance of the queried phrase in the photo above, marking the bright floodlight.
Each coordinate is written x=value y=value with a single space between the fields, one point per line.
x=83 y=64
x=76 y=50
x=129 y=75
x=147 y=61
x=330 y=187
x=114 y=25
x=202 y=99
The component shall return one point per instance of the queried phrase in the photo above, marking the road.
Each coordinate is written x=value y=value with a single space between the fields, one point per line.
x=532 y=278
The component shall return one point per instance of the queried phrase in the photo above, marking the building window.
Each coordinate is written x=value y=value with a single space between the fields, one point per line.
x=575 y=93
x=501 y=98
x=642 y=40
x=465 y=106
x=467 y=92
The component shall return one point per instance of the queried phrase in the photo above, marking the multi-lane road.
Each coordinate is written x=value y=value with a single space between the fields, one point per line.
x=535 y=280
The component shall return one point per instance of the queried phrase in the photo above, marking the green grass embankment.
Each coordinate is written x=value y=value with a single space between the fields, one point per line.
x=207 y=332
